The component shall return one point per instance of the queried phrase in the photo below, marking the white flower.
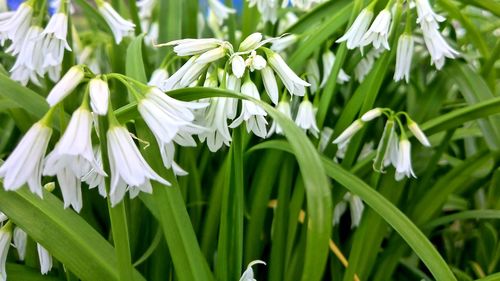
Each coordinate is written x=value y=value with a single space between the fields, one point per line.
x=252 y=114
x=403 y=57
x=386 y=152
x=20 y=239
x=268 y=9
x=292 y=82
x=284 y=42
x=283 y=107
x=270 y=84
x=220 y=11
x=119 y=26
x=417 y=132
x=173 y=81
x=5 y=238
x=29 y=62
x=255 y=62
x=379 y=31
x=129 y=170
x=213 y=55
x=3 y=217
x=366 y=64
x=392 y=153
x=404 y=167
x=238 y=66
x=425 y=13
x=145 y=8
x=93 y=178
x=54 y=40
x=16 y=26
x=328 y=58
x=157 y=77
x=190 y=47
x=24 y=165
x=99 y=96
x=66 y=85
x=251 y=42
x=354 y=36
x=306 y=117
x=45 y=259
x=356 y=208
x=371 y=114
x=438 y=47
x=350 y=131
x=248 y=275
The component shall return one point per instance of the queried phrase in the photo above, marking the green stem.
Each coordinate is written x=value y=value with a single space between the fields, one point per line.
x=134 y=14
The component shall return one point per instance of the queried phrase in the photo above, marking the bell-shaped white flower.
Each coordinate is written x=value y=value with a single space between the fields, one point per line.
x=255 y=62
x=378 y=32
x=146 y=8
x=252 y=114
x=20 y=239
x=16 y=26
x=93 y=178
x=355 y=33
x=282 y=43
x=328 y=59
x=418 y=133
x=350 y=131
x=248 y=275
x=29 y=62
x=306 y=117
x=119 y=26
x=366 y=64
x=24 y=164
x=404 y=167
x=173 y=82
x=270 y=84
x=294 y=84
x=5 y=238
x=45 y=259
x=214 y=54
x=283 y=107
x=371 y=114
x=129 y=170
x=157 y=77
x=438 y=47
x=66 y=85
x=99 y=96
x=54 y=39
x=251 y=42
x=268 y=9
x=356 y=208
x=220 y=11
x=238 y=66
x=425 y=13
x=190 y=47
x=404 y=56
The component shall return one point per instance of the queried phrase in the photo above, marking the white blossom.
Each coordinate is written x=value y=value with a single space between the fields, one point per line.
x=5 y=238
x=371 y=114
x=99 y=96
x=356 y=208
x=294 y=84
x=238 y=66
x=66 y=85
x=248 y=275
x=270 y=84
x=54 y=40
x=157 y=77
x=20 y=238
x=355 y=33
x=119 y=26
x=283 y=107
x=418 y=133
x=404 y=56
x=306 y=117
x=378 y=32
x=251 y=42
x=16 y=26
x=404 y=167
x=24 y=164
x=44 y=258
x=220 y=11
x=328 y=59
x=350 y=131
x=252 y=114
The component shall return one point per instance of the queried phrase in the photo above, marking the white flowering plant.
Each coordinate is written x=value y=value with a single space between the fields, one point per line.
x=249 y=140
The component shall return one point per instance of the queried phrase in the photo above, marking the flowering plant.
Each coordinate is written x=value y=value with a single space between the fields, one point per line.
x=212 y=140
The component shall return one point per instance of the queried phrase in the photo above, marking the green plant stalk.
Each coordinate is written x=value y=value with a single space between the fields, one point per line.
x=117 y=214
x=134 y=14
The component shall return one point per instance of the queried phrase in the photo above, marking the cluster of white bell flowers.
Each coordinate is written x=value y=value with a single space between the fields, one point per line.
x=364 y=32
x=38 y=42
x=77 y=158
x=393 y=149
x=12 y=236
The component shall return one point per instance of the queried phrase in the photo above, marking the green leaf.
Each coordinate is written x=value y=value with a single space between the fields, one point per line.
x=63 y=233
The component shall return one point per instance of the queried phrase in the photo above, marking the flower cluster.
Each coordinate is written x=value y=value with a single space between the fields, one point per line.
x=393 y=148
x=75 y=159
x=38 y=47
x=15 y=236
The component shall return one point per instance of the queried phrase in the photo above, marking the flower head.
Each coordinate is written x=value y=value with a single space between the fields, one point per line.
x=404 y=55
x=20 y=238
x=350 y=131
x=66 y=85
x=220 y=11
x=5 y=238
x=45 y=259
x=354 y=36
x=294 y=84
x=99 y=96
x=283 y=107
x=119 y=26
x=404 y=167
x=417 y=132
x=252 y=114
x=379 y=31
x=306 y=117
x=248 y=275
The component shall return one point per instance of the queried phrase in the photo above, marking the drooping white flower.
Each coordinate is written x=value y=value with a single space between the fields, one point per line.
x=5 y=238
x=66 y=85
x=221 y=11
x=213 y=55
x=355 y=33
x=16 y=27
x=328 y=59
x=238 y=66
x=306 y=117
x=129 y=170
x=404 y=167
x=29 y=62
x=284 y=42
x=93 y=178
x=119 y=26
x=248 y=275
x=438 y=47
x=99 y=96
x=350 y=131
x=54 y=40
x=157 y=77
x=270 y=84
x=418 y=133
x=404 y=56
x=173 y=81
x=255 y=62
x=294 y=84
x=283 y=107
x=378 y=32
x=366 y=64
x=20 y=238
x=268 y=9
x=24 y=164
x=385 y=150
x=356 y=208
x=252 y=114
x=45 y=259
x=251 y=42
x=146 y=8
x=371 y=114
x=425 y=13
x=190 y=47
